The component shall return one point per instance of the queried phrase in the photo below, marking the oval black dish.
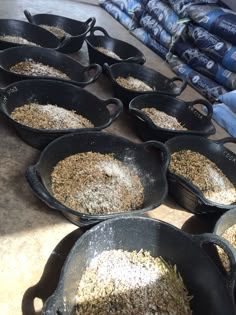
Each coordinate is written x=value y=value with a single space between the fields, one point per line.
x=77 y=30
x=189 y=117
x=157 y=81
x=32 y=33
x=100 y=112
x=127 y=52
x=187 y=194
x=151 y=159
x=78 y=74
x=201 y=277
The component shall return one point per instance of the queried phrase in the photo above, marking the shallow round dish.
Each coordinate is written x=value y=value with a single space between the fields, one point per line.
x=201 y=276
x=100 y=112
x=79 y=75
x=151 y=160
x=76 y=29
x=185 y=112
x=187 y=194
x=126 y=51
x=160 y=83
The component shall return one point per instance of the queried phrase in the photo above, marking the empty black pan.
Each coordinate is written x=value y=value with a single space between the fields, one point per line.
x=211 y=290
x=77 y=30
x=125 y=51
x=32 y=33
x=160 y=83
x=184 y=192
x=100 y=112
x=78 y=74
x=185 y=112
x=151 y=159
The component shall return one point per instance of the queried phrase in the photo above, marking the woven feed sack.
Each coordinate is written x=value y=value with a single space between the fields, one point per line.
x=225 y=118
x=205 y=86
x=156 y=30
x=134 y=8
x=216 y=48
x=181 y=6
x=229 y=99
x=165 y=17
x=146 y=39
x=205 y=65
x=217 y=20
x=127 y=21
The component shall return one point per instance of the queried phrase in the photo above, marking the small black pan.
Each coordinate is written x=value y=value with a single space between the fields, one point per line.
x=32 y=33
x=126 y=51
x=151 y=159
x=76 y=29
x=160 y=83
x=211 y=289
x=100 y=112
x=184 y=192
x=79 y=74
x=186 y=114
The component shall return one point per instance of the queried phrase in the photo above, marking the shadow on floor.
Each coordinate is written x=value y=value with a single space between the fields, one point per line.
x=51 y=274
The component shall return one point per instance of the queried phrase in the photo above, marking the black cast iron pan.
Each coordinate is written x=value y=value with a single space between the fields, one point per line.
x=184 y=192
x=100 y=112
x=127 y=52
x=211 y=290
x=77 y=30
x=160 y=83
x=151 y=159
x=79 y=75
x=185 y=112
x=32 y=33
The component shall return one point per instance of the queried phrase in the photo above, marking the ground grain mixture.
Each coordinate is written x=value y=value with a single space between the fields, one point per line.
x=163 y=120
x=204 y=174
x=96 y=183
x=17 y=40
x=131 y=283
x=33 y=68
x=57 y=31
x=134 y=84
x=230 y=236
x=108 y=53
x=49 y=116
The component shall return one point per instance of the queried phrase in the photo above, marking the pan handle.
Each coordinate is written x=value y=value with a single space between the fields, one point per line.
x=161 y=147
x=208 y=238
x=183 y=83
x=98 y=71
x=107 y=70
x=91 y=22
x=206 y=104
x=226 y=140
x=101 y=29
x=40 y=191
x=139 y=59
x=116 y=110
x=29 y=17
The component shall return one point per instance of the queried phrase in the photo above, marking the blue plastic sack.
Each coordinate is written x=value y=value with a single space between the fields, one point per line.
x=229 y=99
x=119 y=15
x=146 y=38
x=216 y=20
x=165 y=16
x=216 y=48
x=225 y=118
x=130 y=7
x=205 y=86
x=156 y=30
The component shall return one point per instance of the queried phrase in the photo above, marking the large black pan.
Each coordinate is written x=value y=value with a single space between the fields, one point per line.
x=126 y=51
x=151 y=159
x=76 y=29
x=100 y=112
x=202 y=278
x=160 y=83
x=186 y=114
x=32 y=33
x=187 y=194
x=79 y=74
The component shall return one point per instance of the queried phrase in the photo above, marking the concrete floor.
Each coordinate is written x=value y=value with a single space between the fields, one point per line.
x=34 y=240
